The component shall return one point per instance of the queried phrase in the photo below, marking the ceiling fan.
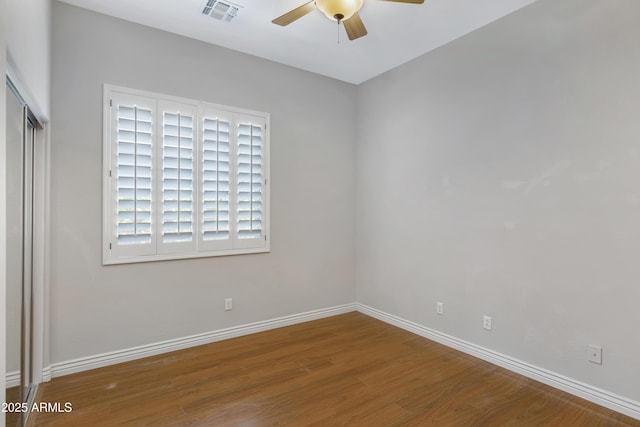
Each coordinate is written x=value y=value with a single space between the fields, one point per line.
x=345 y=11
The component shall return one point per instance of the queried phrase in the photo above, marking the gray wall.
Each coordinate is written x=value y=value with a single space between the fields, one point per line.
x=96 y=309
x=28 y=35
x=500 y=174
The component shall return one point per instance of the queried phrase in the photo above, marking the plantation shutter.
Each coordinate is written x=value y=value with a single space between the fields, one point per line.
x=182 y=178
x=133 y=121
x=216 y=179
x=250 y=177
x=178 y=195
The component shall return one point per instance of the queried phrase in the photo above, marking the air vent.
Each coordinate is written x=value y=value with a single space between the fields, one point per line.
x=221 y=10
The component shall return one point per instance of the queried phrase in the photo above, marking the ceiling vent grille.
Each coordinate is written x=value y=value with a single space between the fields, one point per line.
x=221 y=10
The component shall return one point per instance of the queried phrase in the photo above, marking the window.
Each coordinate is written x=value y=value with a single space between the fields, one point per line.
x=183 y=178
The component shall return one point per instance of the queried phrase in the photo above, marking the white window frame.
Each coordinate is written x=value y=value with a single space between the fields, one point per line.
x=158 y=250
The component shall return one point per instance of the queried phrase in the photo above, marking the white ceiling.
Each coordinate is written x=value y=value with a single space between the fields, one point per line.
x=398 y=32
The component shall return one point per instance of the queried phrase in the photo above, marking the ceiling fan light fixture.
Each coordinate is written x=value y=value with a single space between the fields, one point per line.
x=339 y=10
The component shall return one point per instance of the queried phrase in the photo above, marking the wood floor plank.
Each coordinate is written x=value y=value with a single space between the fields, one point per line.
x=12 y=395
x=345 y=370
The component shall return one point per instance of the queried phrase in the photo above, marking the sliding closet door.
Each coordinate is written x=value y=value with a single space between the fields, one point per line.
x=19 y=293
x=15 y=247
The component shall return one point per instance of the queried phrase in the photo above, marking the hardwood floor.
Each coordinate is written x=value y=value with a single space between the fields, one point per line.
x=12 y=395
x=344 y=370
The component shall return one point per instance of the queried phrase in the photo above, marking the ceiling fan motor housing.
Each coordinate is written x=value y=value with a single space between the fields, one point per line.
x=339 y=10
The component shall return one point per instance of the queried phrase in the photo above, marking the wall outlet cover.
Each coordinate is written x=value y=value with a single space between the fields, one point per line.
x=595 y=354
x=486 y=322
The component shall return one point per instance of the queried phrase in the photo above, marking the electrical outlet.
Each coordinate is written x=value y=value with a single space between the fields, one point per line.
x=228 y=304
x=439 y=307
x=486 y=322
x=595 y=354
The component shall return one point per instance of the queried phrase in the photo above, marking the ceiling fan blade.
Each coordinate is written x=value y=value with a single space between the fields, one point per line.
x=354 y=27
x=295 y=14
x=407 y=1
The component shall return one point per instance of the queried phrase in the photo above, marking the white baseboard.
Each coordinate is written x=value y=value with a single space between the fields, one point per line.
x=111 y=358
x=12 y=379
x=46 y=374
x=577 y=388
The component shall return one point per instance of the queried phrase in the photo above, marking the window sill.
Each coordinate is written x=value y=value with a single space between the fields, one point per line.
x=170 y=257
